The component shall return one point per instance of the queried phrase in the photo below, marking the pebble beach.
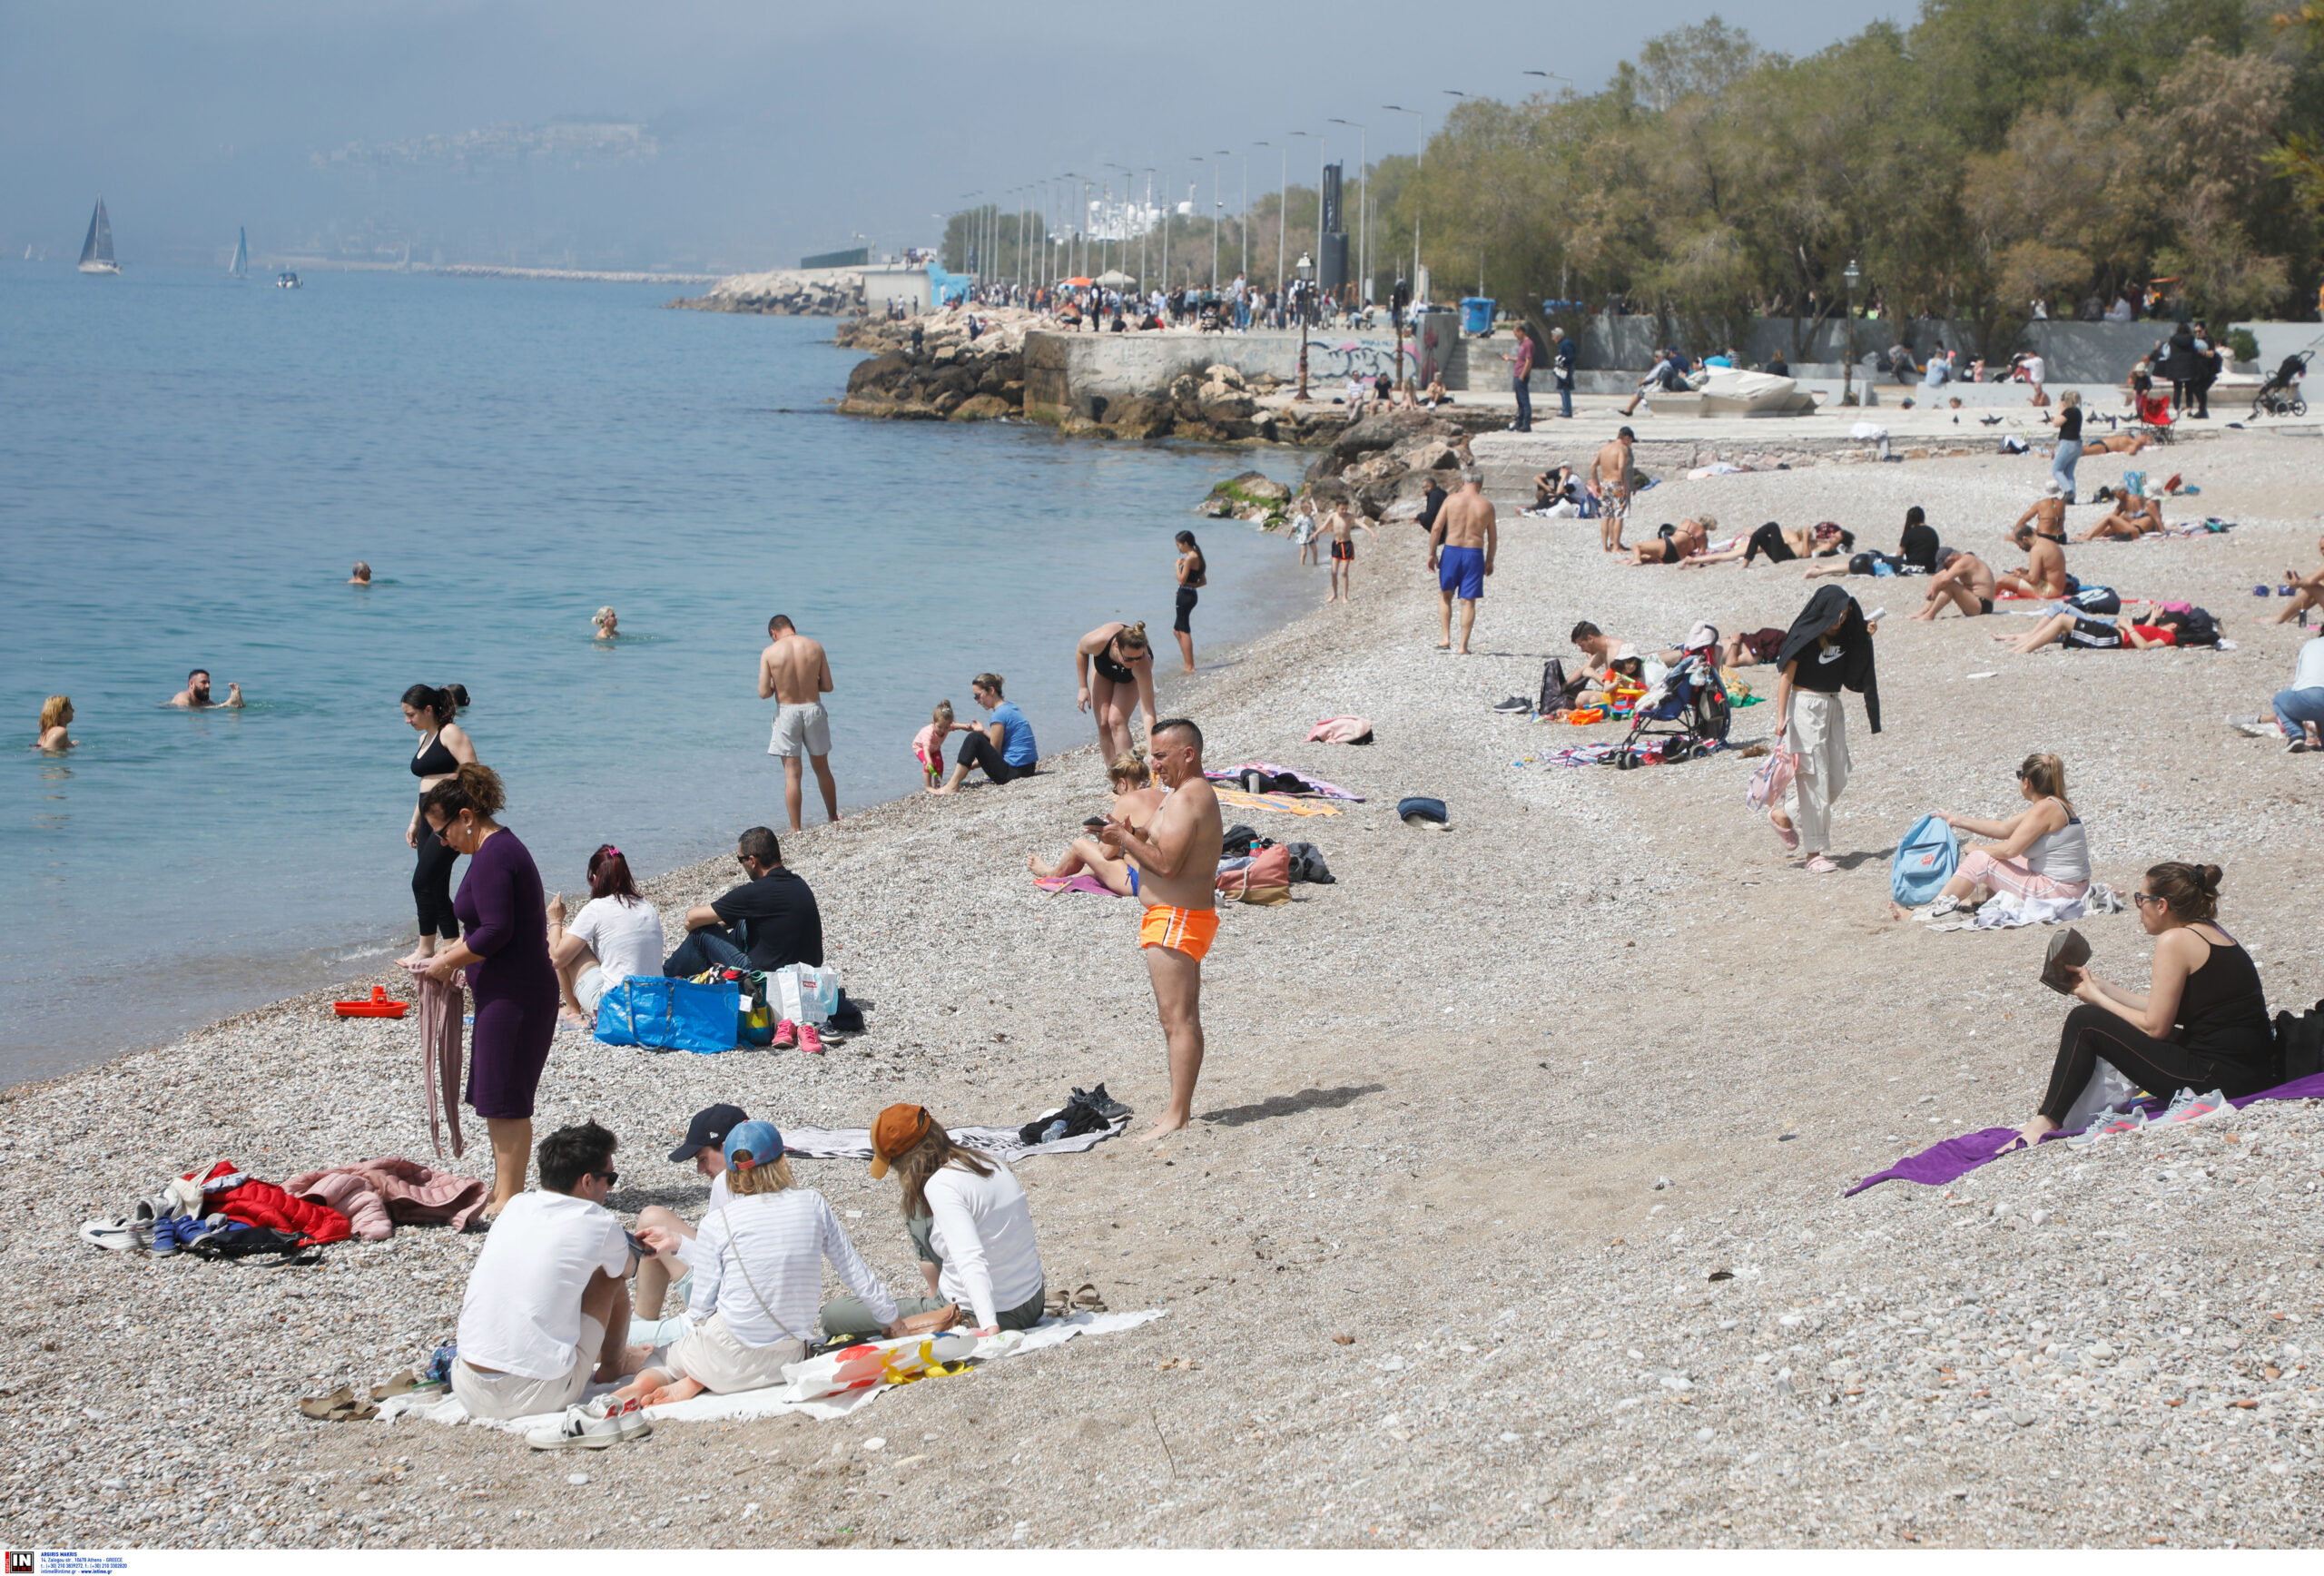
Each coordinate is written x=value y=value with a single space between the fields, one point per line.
x=1513 y=1215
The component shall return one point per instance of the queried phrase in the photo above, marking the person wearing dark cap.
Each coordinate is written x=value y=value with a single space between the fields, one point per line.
x=1828 y=649
x=704 y=1148
x=969 y=1220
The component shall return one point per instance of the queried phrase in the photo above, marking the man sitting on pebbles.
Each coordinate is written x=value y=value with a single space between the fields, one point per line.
x=2041 y=531
x=1962 y=579
x=547 y=1303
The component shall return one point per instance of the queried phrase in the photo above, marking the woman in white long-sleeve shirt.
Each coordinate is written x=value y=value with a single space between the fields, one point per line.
x=758 y=1272
x=971 y=1221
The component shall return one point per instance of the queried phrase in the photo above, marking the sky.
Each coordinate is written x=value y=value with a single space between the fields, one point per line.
x=770 y=131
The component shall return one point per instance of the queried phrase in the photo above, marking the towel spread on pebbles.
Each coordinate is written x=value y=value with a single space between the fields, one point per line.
x=777 y=1400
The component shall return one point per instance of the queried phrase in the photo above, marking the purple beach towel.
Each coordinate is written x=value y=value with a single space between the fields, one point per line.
x=1956 y=1157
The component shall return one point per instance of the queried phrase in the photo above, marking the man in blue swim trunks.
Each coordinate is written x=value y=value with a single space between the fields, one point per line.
x=1461 y=548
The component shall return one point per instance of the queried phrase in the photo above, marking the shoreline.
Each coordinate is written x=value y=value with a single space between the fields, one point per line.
x=1549 y=1114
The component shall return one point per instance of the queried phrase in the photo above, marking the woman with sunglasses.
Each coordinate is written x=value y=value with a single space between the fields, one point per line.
x=2201 y=1025
x=2039 y=852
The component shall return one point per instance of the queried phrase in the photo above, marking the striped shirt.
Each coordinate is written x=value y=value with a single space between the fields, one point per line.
x=778 y=1244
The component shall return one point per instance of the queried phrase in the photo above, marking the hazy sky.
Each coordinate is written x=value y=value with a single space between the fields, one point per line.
x=777 y=128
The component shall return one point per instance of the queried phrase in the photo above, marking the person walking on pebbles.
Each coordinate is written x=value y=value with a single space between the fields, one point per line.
x=795 y=674
x=1830 y=648
x=1461 y=548
x=1177 y=861
x=1340 y=526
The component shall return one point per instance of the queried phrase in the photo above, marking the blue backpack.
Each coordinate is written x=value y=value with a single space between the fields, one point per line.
x=1926 y=859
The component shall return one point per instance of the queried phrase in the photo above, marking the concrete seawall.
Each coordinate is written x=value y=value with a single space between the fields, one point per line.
x=1081 y=376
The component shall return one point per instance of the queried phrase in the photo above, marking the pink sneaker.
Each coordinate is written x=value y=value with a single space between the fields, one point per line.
x=809 y=1040
x=1790 y=834
x=786 y=1034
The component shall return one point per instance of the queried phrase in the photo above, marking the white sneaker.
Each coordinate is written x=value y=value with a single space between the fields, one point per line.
x=2188 y=1107
x=1945 y=903
x=2109 y=1123
x=593 y=1425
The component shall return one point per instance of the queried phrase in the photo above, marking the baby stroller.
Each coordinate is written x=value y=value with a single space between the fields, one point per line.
x=2279 y=395
x=1689 y=707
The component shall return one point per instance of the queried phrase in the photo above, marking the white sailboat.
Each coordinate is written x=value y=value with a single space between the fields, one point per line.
x=96 y=251
x=241 y=267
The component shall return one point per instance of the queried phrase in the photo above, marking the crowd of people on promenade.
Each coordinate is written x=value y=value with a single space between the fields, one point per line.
x=1114 y=303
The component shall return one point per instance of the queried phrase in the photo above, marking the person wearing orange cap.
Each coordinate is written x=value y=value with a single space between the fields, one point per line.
x=970 y=1222
x=1177 y=861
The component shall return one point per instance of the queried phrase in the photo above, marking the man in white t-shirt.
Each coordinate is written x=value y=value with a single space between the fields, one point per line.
x=547 y=1303
x=704 y=1148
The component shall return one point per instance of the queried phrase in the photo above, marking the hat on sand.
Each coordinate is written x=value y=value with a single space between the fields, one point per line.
x=1701 y=636
x=2051 y=489
x=708 y=1132
x=759 y=1141
x=897 y=1133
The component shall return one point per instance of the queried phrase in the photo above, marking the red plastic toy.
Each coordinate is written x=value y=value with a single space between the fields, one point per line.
x=377 y=1007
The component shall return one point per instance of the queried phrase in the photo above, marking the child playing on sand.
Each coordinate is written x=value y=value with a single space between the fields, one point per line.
x=928 y=744
x=1340 y=527
x=1304 y=528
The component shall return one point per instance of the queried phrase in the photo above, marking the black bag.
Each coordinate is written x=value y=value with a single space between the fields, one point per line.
x=2300 y=1044
x=1306 y=865
x=1557 y=690
x=1238 y=841
x=2199 y=628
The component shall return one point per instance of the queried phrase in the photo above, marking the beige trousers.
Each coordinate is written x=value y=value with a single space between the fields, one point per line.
x=1819 y=735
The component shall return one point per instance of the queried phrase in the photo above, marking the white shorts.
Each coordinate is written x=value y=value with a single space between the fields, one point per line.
x=711 y=1357
x=589 y=987
x=501 y=1396
x=801 y=731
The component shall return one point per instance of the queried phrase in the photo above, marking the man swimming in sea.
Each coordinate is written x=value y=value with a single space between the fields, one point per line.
x=195 y=696
x=1461 y=548
x=1177 y=863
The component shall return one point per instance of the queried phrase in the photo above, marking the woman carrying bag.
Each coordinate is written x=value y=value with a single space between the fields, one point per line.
x=970 y=1222
x=1828 y=649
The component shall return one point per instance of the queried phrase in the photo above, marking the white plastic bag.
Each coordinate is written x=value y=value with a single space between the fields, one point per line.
x=804 y=994
x=2107 y=1090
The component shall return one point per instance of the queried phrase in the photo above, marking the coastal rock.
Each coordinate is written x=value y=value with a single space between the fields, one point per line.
x=1136 y=416
x=980 y=408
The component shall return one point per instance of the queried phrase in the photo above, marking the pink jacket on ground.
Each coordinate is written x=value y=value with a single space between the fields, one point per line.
x=376 y=1195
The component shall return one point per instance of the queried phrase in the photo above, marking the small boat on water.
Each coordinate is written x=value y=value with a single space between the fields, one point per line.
x=96 y=251
x=286 y=280
x=241 y=267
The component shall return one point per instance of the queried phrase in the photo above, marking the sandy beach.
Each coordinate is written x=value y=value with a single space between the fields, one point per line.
x=1549 y=1115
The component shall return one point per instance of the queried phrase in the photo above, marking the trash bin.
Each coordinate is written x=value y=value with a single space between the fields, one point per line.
x=1476 y=315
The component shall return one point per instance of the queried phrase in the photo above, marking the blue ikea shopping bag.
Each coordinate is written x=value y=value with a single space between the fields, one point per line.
x=669 y=1015
x=1926 y=859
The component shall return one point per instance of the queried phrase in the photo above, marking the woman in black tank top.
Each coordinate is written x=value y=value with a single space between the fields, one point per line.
x=2202 y=1024
x=444 y=748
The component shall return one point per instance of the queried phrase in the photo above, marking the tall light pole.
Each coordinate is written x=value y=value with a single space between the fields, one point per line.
x=1282 y=224
x=1307 y=271
x=1848 y=367
x=1193 y=187
x=1243 y=215
x=1362 y=201
x=1212 y=161
x=1419 y=151
x=1144 y=230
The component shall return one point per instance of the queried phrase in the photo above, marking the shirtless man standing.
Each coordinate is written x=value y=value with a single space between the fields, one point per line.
x=1177 y=863
x=1340 y=526
x=1963 y=579
x=2041 y=531
x=195 y=696
x=1610 y=473
x=794 y=673
x=1460 y=548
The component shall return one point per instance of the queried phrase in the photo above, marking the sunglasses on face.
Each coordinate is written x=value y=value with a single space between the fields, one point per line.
x=611 y=1176
x=2142 y=899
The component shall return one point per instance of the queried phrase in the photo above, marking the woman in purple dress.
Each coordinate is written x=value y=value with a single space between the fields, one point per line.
x=504 y=946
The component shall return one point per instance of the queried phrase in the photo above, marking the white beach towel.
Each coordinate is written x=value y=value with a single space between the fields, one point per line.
x=1002 y=1144
x=774 y=1400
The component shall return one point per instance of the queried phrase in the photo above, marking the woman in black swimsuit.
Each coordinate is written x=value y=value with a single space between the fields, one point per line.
x=1115 y=669
x=445 y=750
x=2202 y=1024
x=1193 y=576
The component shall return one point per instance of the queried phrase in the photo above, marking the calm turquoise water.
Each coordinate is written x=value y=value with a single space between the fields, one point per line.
x=190 y=466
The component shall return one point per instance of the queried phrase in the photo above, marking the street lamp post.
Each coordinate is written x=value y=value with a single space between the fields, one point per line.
x=1282 y=226
x=1419 y=151
x=1243 y=214
x=1848 y=367
x=1307 y=271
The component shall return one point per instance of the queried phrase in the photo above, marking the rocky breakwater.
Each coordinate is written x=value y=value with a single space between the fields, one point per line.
x=786 y=292
x=1217 y=405
x=950 y=377
x=1383 y=463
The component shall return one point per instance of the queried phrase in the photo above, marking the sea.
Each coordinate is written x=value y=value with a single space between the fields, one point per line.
x=189 y=465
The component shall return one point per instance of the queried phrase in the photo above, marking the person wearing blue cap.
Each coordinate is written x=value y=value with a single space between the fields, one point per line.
x=758 y=1275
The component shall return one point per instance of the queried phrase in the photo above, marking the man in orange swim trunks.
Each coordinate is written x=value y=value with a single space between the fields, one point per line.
x=1177 y=863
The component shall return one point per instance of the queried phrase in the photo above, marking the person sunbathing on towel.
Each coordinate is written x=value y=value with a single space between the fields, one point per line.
x=1688 y=538
x=2116 y=443
x=2040 y=852
x=1135 y=798
x=2128 y=521
x=2307 y=591
x=1962 y=579
x=2077 y=631
x=1780 y=543
x=758 y=1280
x=2044 y=574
